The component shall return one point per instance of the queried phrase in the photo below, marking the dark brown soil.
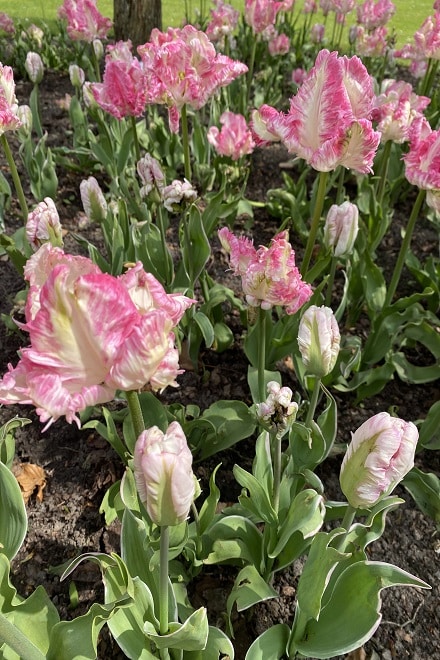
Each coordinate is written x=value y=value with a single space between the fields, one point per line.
x=80 y=466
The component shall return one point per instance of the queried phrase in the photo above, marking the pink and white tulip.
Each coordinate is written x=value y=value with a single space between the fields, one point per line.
x=269 y=276
x=234 y=139
x=84 y=21
x=395 y=108
x=151 y=174
x=224 y=20
x=341 y=228
x=163 y=474
x=34 y=67
x=93 y=200
x=259 y=14
x=43 y=225
x=6 y=23
x=372 y=14
x=90 y=335
x=380 y=454
x=318 y=340
x=278 y=412
x=422 y=162
x=9 y=120
x=427 y=38
x=177 y=193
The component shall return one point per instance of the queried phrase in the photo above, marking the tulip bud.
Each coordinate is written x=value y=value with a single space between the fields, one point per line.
x=34 y=67
x=177 y=193
x=380 y=454
x=24 y=114
x=151 y=174
x=278 y=412
x=76 y=75
x=93 y=200
x=318 y=340
x=341 y=228
x=98 y=49
x=43 y=225
x=163 y=474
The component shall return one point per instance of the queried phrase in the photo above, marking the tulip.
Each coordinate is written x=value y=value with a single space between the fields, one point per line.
x=422 y=162
x=318 y=340
x=43 y=224
x=93 y=200
x=269 y=276
x=177 y=193
x=6 y=23
x=395 y=109
x=9 y=120
x=380 y=454
x=163 y=474
x=260 y=14
x=76 y=75
x=341 y=228
x=234 y=139
x=278 y=412
x=224 y=20
x=84 y=21
x=372 y=14
x=34 y=67
x=151 y=174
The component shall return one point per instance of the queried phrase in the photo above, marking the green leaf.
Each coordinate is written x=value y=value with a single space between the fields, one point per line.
x=196 y=249
x=13 y=518
x=270 y=644
x=232 y=421
x=352 y=612
x=429 y=432
x=217 y=646
x=305 y=515
x=232 y=538
x=7 y=441
x=206 y=328
x=192 y=635
x=112 y=506
x=258 y=500
x=424 y=488
x=373 y=283
x=109 y=433
x=249 y=589
x=252 y=378
x=209 y=506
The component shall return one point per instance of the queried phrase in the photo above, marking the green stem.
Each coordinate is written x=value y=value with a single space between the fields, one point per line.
x=135 y=412
x=16 y=640
x=347 y=522
x=137 y=149
x=250 y=74
x=261 y=353
x=340 y=191
x=197 y=524
x=404 y=247
x=383 y=172
x=185 y=144
x=276 y=471
x=15 y=177
x=313 y=402
x=163 y=584
x=331 y=279
x=319 y=203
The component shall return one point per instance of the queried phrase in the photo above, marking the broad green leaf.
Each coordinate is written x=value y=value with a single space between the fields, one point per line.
x=249 y=589
x=112 y=506
x=217 y=646
x=258 y=500
x=109 y=433
x=373 y=283
x=192 y=635
x=429 y=432
x=232 y=421
x=352 y=612
x=270 y=644
x=235 y=537
x=252 y=378
x=306 y=515
x=209 y=506
x=13 y=518
x=195 y=245
x=7 y=441
x=206 y=328
x=24 y=622
x=424 y=488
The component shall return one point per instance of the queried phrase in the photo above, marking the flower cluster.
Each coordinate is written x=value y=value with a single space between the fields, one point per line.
x=182 y=67
x=269 y=276
x=224 y=20
x=372 y=14
x=91 y=334
x=329 y=120
x=84 y=21
x=395 y=108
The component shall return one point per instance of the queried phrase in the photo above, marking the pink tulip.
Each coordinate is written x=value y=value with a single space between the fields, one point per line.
x=93 y=200
x=269 y=276
x=380 y=454
x=266 y=126
x=328 y=123
x=90 y=335
x=234 y=139
x=177 y=193
x=317 y=33
x=372 y=14
x=427 y=38
x=123 y=92
x=151 y=174
x=43 y=224
x=84 y=21
x=298 y=76
x=318 y=340
x=182 y=67
x=163 y=474
x=34 y=67
x=395 y=108
x=310 y=7
x=343 y=7
x=224 y=20
x=422 y=162
x=6 y=23
x=9 y=120
x=279 y=45
x=372 y=44
x=341 y=228
x=259 y=14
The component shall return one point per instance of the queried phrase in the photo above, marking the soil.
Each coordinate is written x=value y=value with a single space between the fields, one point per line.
x=80 y=466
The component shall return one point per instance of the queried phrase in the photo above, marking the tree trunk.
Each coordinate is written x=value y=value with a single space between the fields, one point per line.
x=134 y=19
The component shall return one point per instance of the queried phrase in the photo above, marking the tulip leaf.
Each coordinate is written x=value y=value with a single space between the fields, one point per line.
x=24 y=623
x=252 y=378
x=196 y=249
x=249 y=589
x=13 y=518
x=209 y=506
x=7 y=442
x=217 y=646
x=232 y=421
x=351 y=613
x=305 y=515
x=257 y=501
x=235 y=537
x=429 y=432
x=373 y=283
x=270 y=644
x=424 y=488
x=192 y=635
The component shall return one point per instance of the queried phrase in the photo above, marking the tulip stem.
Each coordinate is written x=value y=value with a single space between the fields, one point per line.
x=185 y=143
x=261 y=353
x=277 y=454
x=137 y=149
x=383 y=172
x=319 y=204
x=163 y=583
x=15 y=176
x=346 y=523
x=313 y=402
x=17 y=641
x=135 y=409
x=404 y=248
x=330 y=282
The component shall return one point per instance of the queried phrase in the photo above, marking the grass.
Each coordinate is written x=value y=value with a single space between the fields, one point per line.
x=409 y=15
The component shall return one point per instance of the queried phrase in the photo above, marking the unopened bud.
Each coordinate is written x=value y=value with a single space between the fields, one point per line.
x=43 y=225
x=341 y=228
x=34 y=67
x=318 y=340
x=93 y=200
x=278 y=412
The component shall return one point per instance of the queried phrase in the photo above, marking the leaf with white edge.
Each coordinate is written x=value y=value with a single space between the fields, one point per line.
x=270 y=644
x=258 y=501
x=7 y=441
x=306 y=515
x=424 y=488
x=192 y=635
x=351 y=614
x=217 y=646
x=248 y=590
x=235 y=537
x=13 y=518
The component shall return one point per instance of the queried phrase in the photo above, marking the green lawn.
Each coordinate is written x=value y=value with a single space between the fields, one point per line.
x=408 y=18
